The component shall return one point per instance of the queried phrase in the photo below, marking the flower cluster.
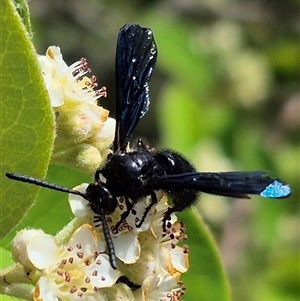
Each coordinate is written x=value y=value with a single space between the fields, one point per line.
x=68 y=272
x=83 y=129
x=148 y=256
x=150 y=261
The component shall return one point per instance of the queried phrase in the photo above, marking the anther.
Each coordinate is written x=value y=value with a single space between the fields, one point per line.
x=73 y=289
x=99 y=262
x=79 y=255
x=63 y=262
x=95 y=273
x=67 y=277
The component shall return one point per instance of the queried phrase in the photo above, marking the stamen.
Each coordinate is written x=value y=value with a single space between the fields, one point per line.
x=94 y=83
x=67 y=277
x=84 y=65
x=98 y=262
x=64 y=261
x=73 y=289
x=79 y=255
x=60 y=273
x=95 y=273
x=103 y=91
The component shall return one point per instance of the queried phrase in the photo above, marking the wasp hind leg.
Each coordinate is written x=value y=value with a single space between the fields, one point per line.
x=181 y=201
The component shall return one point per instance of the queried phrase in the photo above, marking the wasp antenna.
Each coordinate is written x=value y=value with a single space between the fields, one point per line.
x=108 y=240
x=42 y=183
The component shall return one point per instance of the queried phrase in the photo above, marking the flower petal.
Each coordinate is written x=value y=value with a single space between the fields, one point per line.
x=107 y=129
x=42 y=251
x=84 y=238
x=79 y=206
x=180 y=259
x=44 y=291
x=127 y=247
x=102 y=274
x=20 y=244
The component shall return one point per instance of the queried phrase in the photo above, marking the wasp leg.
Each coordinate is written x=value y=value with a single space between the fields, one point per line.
x=153 y=201
x=129 y=207
x=131 y=285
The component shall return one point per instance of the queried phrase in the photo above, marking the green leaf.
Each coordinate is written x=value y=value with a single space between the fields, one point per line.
x=205 y=280
x=51 y=210
x=27 y=125
x=23 y=10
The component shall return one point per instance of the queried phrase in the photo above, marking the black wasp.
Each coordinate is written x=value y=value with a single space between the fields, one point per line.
x=137 y=173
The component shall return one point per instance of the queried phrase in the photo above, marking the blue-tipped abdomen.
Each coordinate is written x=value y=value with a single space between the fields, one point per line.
x=276 y=190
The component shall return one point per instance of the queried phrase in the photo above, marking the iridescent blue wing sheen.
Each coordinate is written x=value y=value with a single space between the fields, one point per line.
x=135 y=59
x=233 y=184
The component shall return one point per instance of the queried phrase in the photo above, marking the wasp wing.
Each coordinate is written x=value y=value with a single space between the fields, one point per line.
x=233 y=184
x=135 y=59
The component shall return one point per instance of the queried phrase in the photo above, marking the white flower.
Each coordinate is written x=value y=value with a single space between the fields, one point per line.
x=125 y=238
x=83 y=129
x=72 y=272
x=125 y=241
x=68 y=83
x=145 y=251
x=160 y=288
x=160 y=256
x=172 y=258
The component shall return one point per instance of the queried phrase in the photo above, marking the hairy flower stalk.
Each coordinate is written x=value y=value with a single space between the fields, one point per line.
x=83 y=129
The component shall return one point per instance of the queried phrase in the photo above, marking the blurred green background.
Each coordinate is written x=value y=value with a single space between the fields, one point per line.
x=225 y=92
